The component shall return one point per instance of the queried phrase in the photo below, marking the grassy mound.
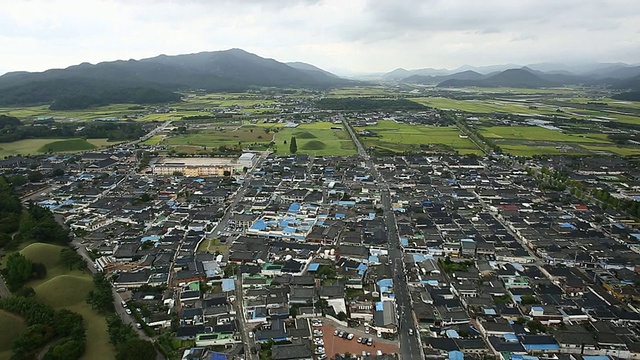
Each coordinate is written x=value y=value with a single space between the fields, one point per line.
x=305 y=135
x=314 y=145
x=64 y=290
x=12 y=325
x=47 y=254
x=67 y=145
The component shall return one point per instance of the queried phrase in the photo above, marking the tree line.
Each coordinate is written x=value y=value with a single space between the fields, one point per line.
x=113 y=131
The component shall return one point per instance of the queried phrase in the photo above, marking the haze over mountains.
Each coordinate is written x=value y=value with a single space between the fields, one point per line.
x=159 y=79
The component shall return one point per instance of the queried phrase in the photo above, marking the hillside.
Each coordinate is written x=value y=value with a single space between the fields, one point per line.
x=464 y=75
x=156 y=80
x=518 y=78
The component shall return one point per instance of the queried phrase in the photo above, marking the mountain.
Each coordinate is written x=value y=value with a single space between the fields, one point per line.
x=464 y=75
x=520 y=78
x=400 y=73
x=309 y=68
x=157 y=79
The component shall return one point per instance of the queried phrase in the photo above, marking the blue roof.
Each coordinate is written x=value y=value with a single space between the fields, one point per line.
x=228 y=285
x=259 y=225
x=452 y=334
x=489 y=312
x=510 y=337
x=218 y=356
x=294 y=208
x=379 y=306
x=150 y=238
x=456 y=355
x=419 y=257
x=596 y=357
x=537 y=308
x=340 y=216
x=313 y=267
x=373 y=259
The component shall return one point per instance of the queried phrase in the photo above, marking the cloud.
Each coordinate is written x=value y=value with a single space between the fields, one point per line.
x=367 y=35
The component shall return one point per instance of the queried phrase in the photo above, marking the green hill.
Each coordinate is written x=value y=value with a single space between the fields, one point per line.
x=67 y=145
x=47 y=254
x=64 y=290
x=314 y=145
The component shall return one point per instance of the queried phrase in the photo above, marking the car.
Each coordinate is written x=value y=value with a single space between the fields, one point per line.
x=379 y=334
x=250 y=334
x=322 y=356
x=317 y=332
x=410 y=331
x=360 y=340
x=350 y=337
x=124 y=303
x=138 y=326
x=341 y=333
x=128 y=311
x=369 y=341
x=379 y=353
x=366 y=329
x=335 y=332
x=344 y=335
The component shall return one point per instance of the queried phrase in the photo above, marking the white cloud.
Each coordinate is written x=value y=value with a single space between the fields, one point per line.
x=366 y=35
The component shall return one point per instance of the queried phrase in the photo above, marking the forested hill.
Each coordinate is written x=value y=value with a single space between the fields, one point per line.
x=155 y=80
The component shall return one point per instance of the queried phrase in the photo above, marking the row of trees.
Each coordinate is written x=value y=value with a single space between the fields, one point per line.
x=45 y=325
x=115 y=131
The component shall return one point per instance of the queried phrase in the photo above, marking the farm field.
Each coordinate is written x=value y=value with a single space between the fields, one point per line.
x=318 y=139
x=364 y=91
x=399 y=137
x=39 y=146
x=486 y=106
x=531 y=140
x=62 y=288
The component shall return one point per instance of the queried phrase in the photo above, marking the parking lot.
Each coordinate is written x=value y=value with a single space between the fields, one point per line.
x=336 y=345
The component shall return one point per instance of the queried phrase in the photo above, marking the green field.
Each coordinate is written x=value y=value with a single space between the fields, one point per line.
x=399 y=137
x=362 y=91
x=62 y=288
x=213 y=137
x=35 y=146
x=535 y=133
x=11 y=325
x=154 y=140
x=533 y=140
x=316 y=139
x=486 y=106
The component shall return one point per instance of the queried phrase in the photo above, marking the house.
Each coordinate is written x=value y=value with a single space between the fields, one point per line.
x=291 y=352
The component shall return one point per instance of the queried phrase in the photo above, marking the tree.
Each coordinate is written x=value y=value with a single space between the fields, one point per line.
x=293 y=146
x=136 y=349
x=101 y=298
x=57 y=172
x=18 y=271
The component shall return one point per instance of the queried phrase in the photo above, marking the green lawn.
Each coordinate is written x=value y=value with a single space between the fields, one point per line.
x=154 y=140
x=11 y=326
x=398 y=137
x=315 y=139
x=212 y=246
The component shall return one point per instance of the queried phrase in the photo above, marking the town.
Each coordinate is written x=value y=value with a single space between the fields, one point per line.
x=299 y=256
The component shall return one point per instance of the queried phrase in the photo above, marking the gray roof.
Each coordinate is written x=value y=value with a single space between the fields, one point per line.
x=291 y=351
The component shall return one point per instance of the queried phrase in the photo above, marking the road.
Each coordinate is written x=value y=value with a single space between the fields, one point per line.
x=239 y=195
x=410 y=345
x=248 y=343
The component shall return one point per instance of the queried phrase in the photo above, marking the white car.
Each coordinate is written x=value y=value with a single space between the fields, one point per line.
x=250 y=334
x=128 y=311
x=350 y=337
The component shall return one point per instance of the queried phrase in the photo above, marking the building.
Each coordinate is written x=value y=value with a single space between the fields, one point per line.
x=247 y=160
x=197 y=166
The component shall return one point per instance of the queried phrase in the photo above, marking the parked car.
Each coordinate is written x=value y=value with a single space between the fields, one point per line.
x=350 y=337
x=410 y=331
x=360 y=340
x=128 y=311
x=335 y=332
x=369 y=342
x=138 y=326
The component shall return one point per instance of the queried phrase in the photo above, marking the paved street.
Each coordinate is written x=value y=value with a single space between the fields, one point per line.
x=410 y=347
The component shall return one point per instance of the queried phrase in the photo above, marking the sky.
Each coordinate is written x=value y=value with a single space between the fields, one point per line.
x=338 y=35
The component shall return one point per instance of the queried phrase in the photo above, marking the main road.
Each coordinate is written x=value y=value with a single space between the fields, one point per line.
x=410 y=346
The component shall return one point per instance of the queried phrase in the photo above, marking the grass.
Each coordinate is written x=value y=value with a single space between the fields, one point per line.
x=62 y=288
x=222 y=135
x=67 y=145
x=35 y=146
x=398 y=137
x=12 y=325
x=362 y=91
x=317 y=139
x=212 y=246
x=154 y=140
